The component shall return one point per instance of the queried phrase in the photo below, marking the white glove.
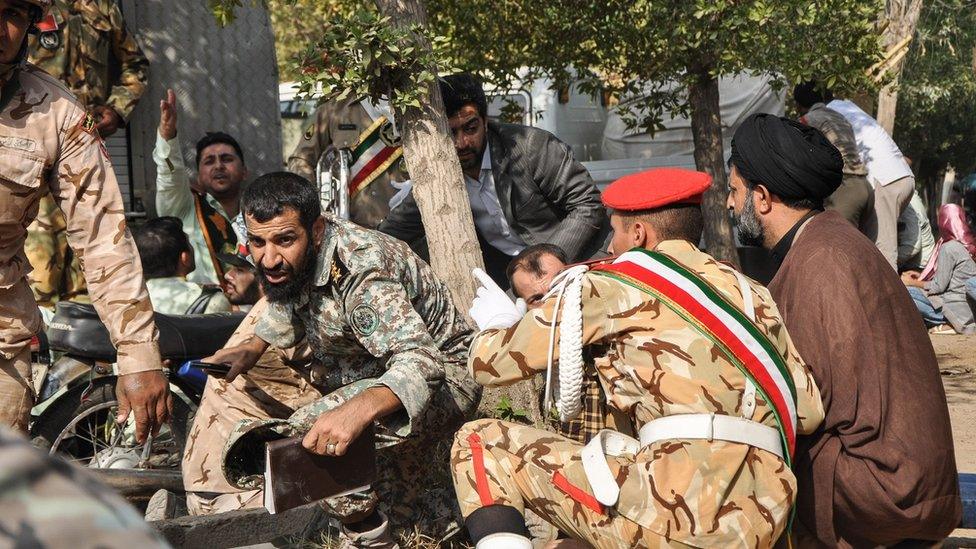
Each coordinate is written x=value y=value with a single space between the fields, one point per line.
x=492 y=307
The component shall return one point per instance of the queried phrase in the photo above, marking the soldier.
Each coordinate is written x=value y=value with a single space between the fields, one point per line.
x=85 y=45
x=51 y=146
x=45 y=502
x=387 y=345
x=682 y=343
x=349 y=125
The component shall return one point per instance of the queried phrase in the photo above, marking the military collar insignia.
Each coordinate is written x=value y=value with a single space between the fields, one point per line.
x=328 y=263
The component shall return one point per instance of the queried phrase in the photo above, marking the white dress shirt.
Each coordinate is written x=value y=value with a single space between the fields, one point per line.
x=878 y=150
x=487 y=210
x=174 y=198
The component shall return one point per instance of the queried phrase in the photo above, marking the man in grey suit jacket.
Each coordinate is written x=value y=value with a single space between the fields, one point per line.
x=524 y=186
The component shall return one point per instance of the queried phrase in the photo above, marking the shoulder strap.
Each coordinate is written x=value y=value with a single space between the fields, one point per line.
x=199 y=305
x=708 y=311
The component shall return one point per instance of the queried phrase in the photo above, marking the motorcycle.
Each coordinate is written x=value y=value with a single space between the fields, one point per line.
x=76 y=410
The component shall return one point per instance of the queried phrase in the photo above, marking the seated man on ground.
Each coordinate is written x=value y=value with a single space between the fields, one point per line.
x=240 y=281
x=940 y=290
x=167 y=259
x=387 y=347
x=211 y=212
x=712 y=466
x=524 y=186
x=881 y=469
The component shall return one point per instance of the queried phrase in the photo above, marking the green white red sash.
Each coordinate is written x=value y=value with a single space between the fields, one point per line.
x=376 y=152
x=705 y=308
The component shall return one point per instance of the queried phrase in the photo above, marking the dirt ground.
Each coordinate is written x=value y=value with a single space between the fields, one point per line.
x=957 y=361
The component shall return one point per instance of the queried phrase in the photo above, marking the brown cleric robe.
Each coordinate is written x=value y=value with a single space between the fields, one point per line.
x=881 y=468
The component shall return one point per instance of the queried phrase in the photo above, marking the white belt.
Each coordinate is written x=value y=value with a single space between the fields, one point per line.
x=684 y=426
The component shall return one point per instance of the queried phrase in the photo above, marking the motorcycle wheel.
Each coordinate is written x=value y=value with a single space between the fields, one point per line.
x=85 y=432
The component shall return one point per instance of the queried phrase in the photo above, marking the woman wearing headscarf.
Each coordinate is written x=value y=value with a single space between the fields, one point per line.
x=939 y=291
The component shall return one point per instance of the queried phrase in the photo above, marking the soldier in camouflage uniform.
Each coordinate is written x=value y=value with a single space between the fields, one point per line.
x=46 y=503
x=714 y=473
x=340 y=125
x=51 y=146
x=85 y=45
x=386 y=344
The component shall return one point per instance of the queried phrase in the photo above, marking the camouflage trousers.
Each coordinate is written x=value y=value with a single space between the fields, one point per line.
x=19 y=321
x=499 y=463
x=57 y=274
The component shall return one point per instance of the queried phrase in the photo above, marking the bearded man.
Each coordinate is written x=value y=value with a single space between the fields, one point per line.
x=880 y=469
x=387 y=346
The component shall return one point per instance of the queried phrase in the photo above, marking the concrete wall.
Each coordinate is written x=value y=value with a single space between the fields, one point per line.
x=225 y=79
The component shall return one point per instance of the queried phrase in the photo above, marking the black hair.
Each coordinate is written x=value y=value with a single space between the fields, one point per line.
x=528 y=259
x=214 y=138
x=462 y=89
x=675 y=222
x=808 y=94
x=160 y=242
x=268 y=196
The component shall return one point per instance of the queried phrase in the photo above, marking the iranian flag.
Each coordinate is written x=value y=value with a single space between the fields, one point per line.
x=372 y=156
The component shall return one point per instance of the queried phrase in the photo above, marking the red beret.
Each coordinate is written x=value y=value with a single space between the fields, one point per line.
x=656 y=188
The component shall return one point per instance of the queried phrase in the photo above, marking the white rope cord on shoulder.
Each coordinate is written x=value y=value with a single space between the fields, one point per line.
x=568 y=388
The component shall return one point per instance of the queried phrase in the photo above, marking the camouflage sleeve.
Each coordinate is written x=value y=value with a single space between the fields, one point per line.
x=279 y=326
x=386 y=324
x=314 y=140
x=43 y=252
x=503 y=357
x=134 y=74
x=45 y=502
x=85 y=188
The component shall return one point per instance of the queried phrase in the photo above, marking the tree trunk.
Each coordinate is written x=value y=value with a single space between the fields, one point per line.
x=902 y=18
x=438 y=187
x=706 y=129
x=438 y=184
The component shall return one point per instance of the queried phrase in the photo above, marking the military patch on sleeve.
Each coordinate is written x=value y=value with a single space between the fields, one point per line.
x=88 y=124
x=364 y=319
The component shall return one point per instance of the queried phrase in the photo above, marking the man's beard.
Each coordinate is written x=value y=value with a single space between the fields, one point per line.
x=290 y=290
x=751 y=231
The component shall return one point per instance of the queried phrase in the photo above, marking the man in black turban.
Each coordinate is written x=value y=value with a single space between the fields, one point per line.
x=854 y=324
x=777 y=159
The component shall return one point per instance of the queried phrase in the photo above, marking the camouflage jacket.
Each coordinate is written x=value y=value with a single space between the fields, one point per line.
x=376 y=310
x=652 y=364
x=173 y=295
x=50 y=146
x=340 y=125
x=93 y=54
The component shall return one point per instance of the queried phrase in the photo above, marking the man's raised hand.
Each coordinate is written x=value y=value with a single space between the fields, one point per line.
x=167 y=116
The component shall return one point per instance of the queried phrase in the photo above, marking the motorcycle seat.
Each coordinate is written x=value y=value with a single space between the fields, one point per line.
x=77 y=330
